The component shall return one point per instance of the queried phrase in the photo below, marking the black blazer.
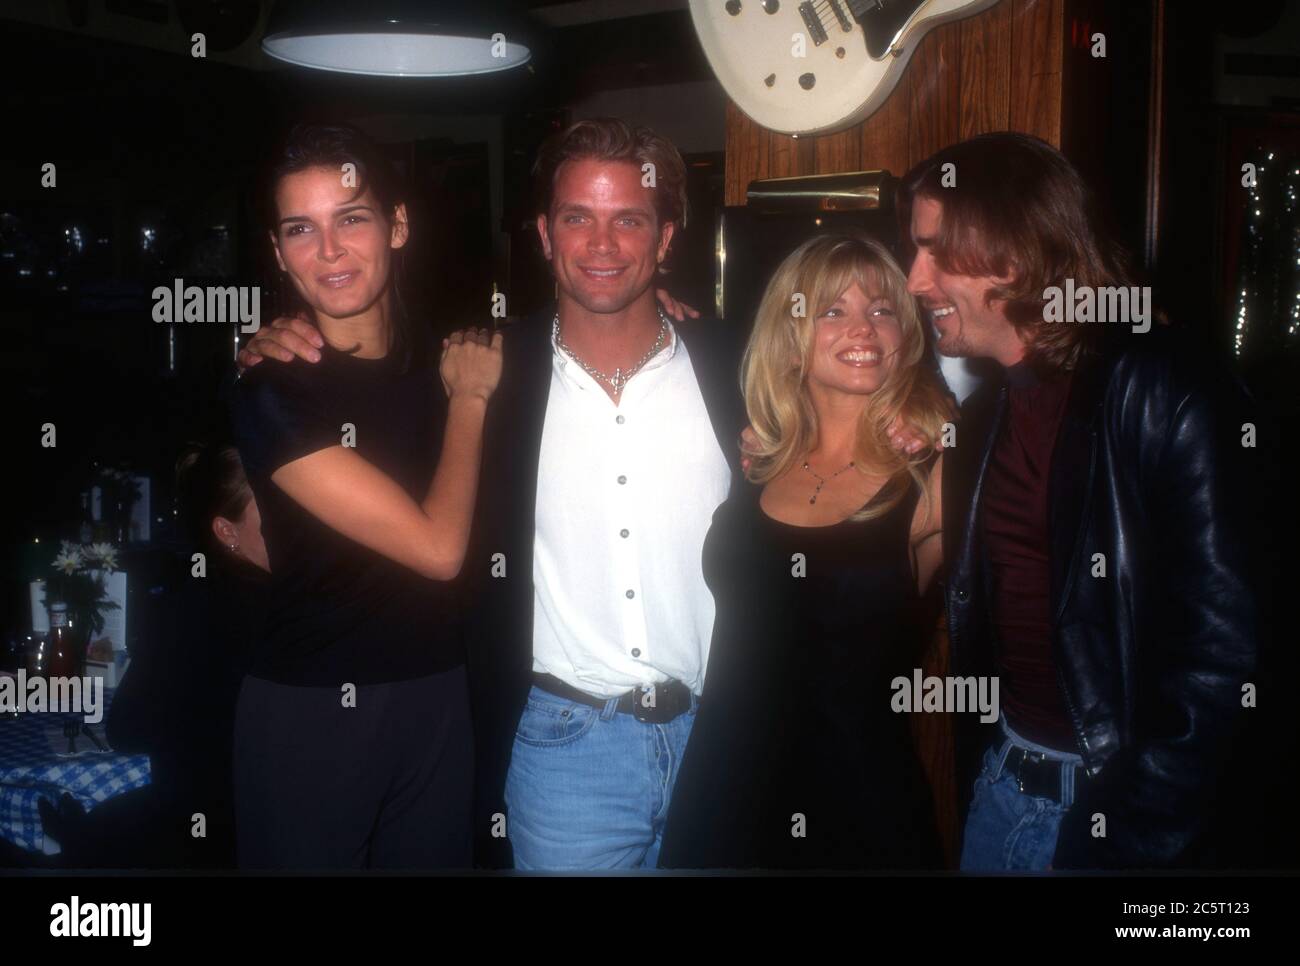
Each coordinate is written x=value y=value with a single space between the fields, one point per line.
x=499 y=627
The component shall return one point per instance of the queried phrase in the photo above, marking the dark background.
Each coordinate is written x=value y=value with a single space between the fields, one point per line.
x=156 y=155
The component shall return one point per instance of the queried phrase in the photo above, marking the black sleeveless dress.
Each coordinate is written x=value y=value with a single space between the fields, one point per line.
x=796 y=759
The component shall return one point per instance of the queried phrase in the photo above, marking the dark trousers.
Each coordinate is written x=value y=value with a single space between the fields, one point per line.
x=385 y=784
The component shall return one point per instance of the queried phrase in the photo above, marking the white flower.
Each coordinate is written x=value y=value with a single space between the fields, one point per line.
x=105 y=555
x=69 y=561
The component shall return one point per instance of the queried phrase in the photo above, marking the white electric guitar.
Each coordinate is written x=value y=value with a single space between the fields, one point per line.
x=811 y=66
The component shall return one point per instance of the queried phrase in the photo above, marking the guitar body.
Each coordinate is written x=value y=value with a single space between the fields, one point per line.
x=813 y=67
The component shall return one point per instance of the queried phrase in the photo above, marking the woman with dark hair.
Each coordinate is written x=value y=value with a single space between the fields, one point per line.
x=352 y=738
x=177 y=701
x=220 y=512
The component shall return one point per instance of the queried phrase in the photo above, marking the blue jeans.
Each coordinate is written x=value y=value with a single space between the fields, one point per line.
x=588 y=788
x=1007 y=829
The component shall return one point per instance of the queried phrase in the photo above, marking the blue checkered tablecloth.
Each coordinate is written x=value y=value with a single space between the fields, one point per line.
x=32 y=768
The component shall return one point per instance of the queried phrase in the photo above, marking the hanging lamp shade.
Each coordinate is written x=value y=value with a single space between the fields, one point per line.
x=399 y=38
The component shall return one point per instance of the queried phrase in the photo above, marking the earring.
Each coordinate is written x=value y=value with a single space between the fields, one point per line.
x=233 y=547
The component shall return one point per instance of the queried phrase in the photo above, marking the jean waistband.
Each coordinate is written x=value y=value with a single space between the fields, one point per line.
x=551 y=691
x=1021 y=742
x=1071 y=764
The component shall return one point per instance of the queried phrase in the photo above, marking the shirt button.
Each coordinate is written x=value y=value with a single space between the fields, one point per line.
x=619 y=419
x=636 y=652
x=631 y=594
x=622 y=479
x=622 y=533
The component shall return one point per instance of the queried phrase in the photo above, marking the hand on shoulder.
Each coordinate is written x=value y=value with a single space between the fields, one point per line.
x=287 y=338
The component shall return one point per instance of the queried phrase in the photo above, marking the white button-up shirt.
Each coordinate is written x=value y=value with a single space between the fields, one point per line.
x=625 y=496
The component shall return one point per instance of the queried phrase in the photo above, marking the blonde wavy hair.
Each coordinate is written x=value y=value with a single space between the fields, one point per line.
x=776 y=390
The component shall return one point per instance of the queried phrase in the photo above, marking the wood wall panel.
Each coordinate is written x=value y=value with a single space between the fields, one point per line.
x=1037 y=41
x=782 y=159
x=838 y=152
x=885 y=134
x=934 y=77
x=985 y=72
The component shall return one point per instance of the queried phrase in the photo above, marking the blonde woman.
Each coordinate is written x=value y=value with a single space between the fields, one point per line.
x=817 y=568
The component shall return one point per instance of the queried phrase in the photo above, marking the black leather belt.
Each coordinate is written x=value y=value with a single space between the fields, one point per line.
x=1036 y=774
x=651 y=703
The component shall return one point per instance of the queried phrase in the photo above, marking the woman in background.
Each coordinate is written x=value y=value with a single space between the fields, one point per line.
x=177 y=701
x=817 y=567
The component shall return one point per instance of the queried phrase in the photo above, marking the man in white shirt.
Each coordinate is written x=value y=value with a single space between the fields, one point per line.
x=604 y=460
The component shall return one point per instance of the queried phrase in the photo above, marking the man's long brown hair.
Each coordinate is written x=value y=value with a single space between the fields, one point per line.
x=1015 y=206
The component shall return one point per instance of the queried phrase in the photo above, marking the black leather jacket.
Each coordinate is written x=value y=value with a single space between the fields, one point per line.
x=1149 y=470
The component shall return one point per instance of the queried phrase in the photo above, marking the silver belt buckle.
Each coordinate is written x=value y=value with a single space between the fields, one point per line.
x=640 y=710
x=1025 y=754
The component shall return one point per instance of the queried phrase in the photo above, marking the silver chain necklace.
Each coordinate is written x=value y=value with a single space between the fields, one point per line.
x=620 y=377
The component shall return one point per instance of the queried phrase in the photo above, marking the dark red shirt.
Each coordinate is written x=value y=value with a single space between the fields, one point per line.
x=1015 y=516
